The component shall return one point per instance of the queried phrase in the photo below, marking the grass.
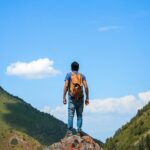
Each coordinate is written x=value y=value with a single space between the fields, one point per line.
x=17 y=118
x=132 y=134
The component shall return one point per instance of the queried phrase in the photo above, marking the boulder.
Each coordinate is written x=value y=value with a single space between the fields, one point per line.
x=75 y=142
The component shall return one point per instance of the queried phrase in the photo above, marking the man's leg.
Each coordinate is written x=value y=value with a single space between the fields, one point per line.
x=71 y=110
x=79 y=111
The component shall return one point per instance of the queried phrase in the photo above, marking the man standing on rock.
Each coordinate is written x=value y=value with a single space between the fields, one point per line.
x=74 y=83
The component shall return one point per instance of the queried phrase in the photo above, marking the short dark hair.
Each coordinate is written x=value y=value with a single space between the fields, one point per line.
x=75 y=66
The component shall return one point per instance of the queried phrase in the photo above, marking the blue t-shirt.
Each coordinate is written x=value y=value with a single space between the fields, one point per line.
x=68 y=76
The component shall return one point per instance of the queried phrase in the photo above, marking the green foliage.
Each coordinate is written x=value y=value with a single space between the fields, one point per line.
x=135 y=135
x=32 y=125
x=14 y=141
x=40 y=148
x=144 y=143
x=110 y=144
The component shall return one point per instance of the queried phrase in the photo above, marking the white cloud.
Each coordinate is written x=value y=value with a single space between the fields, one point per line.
x=125 y=104
x=59 y=112
x=122 y=105
x=36 y=69
x=102 y=117
x=144 y=96
x=108 y=28
x=46 y=109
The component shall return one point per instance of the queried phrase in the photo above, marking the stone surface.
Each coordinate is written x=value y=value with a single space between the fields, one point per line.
x=75 y=143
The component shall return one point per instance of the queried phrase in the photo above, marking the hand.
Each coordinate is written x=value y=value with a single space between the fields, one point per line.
x=64 y=101
x=87 y=102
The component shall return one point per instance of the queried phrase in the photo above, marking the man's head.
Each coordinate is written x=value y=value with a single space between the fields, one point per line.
x=74 y=66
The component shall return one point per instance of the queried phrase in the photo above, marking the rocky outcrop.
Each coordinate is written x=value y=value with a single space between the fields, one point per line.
x=75 y=143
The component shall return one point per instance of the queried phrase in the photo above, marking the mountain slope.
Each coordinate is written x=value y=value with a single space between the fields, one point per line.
x=134 y=135
x=25 y=123
x=23 y=127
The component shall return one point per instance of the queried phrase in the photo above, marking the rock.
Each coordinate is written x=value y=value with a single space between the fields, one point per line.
x=75 y=143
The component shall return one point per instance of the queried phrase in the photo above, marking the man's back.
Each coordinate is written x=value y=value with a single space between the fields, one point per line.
x=75 y=87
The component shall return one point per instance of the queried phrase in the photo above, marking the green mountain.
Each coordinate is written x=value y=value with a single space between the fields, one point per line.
x=135 y=135
x=23 y=126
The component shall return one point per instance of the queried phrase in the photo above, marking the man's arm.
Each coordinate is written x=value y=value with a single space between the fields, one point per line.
x=86 y=92
x=65 y=91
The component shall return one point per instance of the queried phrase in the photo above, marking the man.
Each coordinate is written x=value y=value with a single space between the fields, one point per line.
x=74 y=83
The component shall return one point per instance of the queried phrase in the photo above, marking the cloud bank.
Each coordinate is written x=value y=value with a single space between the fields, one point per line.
x=122 y=105
x=104 y=116
x=36 y=69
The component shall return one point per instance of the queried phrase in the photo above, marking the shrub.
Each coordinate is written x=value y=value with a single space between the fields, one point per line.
x=39 y=148
x=14 y=141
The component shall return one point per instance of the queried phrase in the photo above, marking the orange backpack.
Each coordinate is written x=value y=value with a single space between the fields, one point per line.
x=76 y=86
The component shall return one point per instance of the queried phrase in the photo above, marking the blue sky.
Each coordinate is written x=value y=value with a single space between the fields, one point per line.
x=110 y=40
